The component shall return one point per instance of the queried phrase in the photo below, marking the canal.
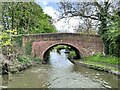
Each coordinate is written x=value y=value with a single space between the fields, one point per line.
x=60 y=73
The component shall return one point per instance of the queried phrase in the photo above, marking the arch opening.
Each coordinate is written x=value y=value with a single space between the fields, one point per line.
x=69 y=46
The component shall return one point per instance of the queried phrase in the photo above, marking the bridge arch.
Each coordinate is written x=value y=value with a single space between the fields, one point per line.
x=79 y=54
x=84 y=45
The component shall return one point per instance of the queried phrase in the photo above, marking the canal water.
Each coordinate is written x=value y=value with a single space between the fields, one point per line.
x=59 y=73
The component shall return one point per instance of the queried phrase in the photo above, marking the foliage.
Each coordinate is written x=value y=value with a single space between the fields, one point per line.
x=5 y=37
x=36 y=59
x=27 y=59
x=18 y=40
x=28 y=48
x=59 y=47
x=103 y=59
x=72 y=54
x=113 y=35
x=97 y=11
x=26 y=17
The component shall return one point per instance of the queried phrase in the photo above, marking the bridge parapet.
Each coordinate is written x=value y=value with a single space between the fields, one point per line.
x=85 y=44
x=61 y=36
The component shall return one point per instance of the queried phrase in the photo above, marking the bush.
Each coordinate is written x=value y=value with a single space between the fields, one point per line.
x=23 y=59
x=36 y=59
x=72 y=54
x=28 y=48
x=18 y=40
x=27 y=59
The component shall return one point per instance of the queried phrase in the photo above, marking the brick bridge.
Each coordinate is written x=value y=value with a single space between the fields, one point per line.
x=84 y=45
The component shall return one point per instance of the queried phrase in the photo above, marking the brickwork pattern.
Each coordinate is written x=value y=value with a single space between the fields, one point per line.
x=85 y=44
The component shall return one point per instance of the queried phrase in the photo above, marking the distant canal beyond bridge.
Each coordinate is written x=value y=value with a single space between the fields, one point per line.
x=60 y=73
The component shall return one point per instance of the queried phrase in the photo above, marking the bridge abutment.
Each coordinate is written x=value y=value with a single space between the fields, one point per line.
x=85 y=45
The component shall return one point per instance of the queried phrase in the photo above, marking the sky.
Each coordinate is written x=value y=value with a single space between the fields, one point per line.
x=51 y=8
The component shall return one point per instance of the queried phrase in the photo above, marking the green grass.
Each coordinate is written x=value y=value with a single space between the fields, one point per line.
x=72 y=54
x=99 y=60
x=27 y=59
x=100 y=65
x=103 y=59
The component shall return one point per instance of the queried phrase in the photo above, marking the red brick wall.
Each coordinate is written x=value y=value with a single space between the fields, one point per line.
x=85 y=44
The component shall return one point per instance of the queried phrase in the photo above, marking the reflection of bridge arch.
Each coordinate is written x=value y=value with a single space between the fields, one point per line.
x=79 y=54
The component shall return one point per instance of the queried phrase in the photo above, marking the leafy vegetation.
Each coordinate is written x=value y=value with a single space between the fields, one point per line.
x=26 y=18
x=103 y=59
x=25 y=59
x=113 y=36
x=60 y=47
x=6 y=43
x=5 y=37
x=19 y=18
x=23 y=18
x=28 y=48
x=18 y=40
x=107 y=16
x=72 y=54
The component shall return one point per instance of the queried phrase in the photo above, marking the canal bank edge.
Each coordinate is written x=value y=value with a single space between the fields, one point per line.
x=96 y=67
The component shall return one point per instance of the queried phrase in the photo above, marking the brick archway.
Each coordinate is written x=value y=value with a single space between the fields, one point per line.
x=79 y=53
x=85 y=44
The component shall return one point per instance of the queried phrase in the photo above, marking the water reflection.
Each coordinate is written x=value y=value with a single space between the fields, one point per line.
x=105 y=79
x=63 y=75
x=60 y=73
x=59 y=60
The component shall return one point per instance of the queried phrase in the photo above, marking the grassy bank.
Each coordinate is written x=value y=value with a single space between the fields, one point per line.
x=100 y=62
x=111 y=60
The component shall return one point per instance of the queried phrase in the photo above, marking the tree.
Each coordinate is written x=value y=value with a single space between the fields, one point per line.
x=26 y=18
x=6 y=40
x=98 y=11
x=113 y=35
x=0 y=13
x=88 y=27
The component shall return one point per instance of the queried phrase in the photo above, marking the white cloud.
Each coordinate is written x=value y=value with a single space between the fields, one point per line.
x=45 y=3
x=42 y=3
x=51 y=12
x=62 y=25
